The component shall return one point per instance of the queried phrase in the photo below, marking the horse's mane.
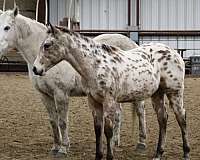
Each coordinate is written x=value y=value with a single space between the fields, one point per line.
x=105 y=47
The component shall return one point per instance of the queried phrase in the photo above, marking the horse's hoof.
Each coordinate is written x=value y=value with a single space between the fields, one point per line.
x=156 y=158
x=60 y=155
x=141 y=147
x=117 y=143
x=62 y=152
x=187 y=157
x=53 y=152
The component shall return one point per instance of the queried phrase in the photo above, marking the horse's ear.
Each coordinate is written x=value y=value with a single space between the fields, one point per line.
x=52 y=29
x=15 y=11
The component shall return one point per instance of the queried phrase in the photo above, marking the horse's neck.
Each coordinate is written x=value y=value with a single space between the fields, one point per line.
x=30 y=35
x=84 y=54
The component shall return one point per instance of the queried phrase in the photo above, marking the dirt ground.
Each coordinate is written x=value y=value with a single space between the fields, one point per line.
x=25 y=133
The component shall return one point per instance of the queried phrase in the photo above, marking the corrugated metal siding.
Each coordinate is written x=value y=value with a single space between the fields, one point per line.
x=170 y=14
x=103 y=14
x=60 y=9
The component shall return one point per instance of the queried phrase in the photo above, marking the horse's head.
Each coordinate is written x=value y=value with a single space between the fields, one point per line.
x=52 y=51
x=7 y=30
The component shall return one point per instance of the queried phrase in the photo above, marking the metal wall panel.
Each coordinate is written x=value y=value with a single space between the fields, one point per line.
x=60 y=9
x=170 y=14
x=104 y=14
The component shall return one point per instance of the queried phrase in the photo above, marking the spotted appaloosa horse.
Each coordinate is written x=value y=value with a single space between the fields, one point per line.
x=111 y=75
x=61 y=81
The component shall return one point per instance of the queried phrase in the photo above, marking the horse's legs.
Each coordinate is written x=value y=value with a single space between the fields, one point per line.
x=53 y=117
x=176 y=102
x=108 y=130
x=97 y=112
x=112 y=115
x=117 y=124
x=61 y=101
x=162 y=116
x=140 y=110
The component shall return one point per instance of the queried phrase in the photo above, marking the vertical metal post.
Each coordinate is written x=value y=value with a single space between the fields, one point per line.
x=4 y=5
x=138 y=13
x=37 y=7
x=129 y=12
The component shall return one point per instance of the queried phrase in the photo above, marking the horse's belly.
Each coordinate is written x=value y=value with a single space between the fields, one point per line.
x=137 y=89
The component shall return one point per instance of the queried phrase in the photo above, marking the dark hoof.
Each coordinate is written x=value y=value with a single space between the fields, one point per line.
x=109 y=158
x=53 y=152
x=187 y=157
x=141 y=147
x=60 y=155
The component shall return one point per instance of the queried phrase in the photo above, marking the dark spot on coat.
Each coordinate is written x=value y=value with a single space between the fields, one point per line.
x=112 y=60
x=165 y=63
x=102 y=83
x=164 y=52
x=98 y=61
x=117 y=58
x=108 y=48
x=151 y=49
x=161 y=58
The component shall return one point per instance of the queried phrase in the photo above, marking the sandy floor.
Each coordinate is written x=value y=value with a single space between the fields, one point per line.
x=25 y=133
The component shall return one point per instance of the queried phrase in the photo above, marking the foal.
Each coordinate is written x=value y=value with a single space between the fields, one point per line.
x=111 y=75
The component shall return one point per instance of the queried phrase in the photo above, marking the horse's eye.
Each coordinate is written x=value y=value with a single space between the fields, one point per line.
x=46 y=46
x=6 y=28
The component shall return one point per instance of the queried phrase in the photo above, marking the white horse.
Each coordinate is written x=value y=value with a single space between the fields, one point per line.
x=111 y=75
x=62 y=81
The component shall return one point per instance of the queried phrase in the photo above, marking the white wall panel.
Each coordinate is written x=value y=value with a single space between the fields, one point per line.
x=104 y=14
x=170 y=14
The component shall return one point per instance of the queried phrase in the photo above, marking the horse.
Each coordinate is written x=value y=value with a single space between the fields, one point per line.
x=60 y=82
x=111 y=75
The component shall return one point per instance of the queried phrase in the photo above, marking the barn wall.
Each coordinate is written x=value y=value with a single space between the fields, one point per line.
x=59 y=9
x=104 y=14
x=170 y=14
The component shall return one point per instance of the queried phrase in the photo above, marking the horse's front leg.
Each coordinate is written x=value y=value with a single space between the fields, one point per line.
x=62 y=101
x=140 y=110
x=53 y=118
x=97 y=112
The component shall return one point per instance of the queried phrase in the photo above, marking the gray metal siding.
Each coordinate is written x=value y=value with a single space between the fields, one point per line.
x=170 y=14
x=103 y=14
x=60 y=9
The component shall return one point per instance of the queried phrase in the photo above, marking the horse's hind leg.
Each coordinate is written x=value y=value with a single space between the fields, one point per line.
x=53 y=117
x=61 y=101
x=117 y=124
x=140 y=110
x=176 y=102
x=162 y=116
x=97 y=112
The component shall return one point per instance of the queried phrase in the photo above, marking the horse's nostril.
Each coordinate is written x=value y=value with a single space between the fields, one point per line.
x=35 y=70
x=47 y=45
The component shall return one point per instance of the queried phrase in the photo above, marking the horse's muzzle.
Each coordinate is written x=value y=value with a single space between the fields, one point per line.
x=37 y=72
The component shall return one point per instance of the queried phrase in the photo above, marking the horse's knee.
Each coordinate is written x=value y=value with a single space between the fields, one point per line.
x=53 y=124
x=108 y=129
x=62 y=124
